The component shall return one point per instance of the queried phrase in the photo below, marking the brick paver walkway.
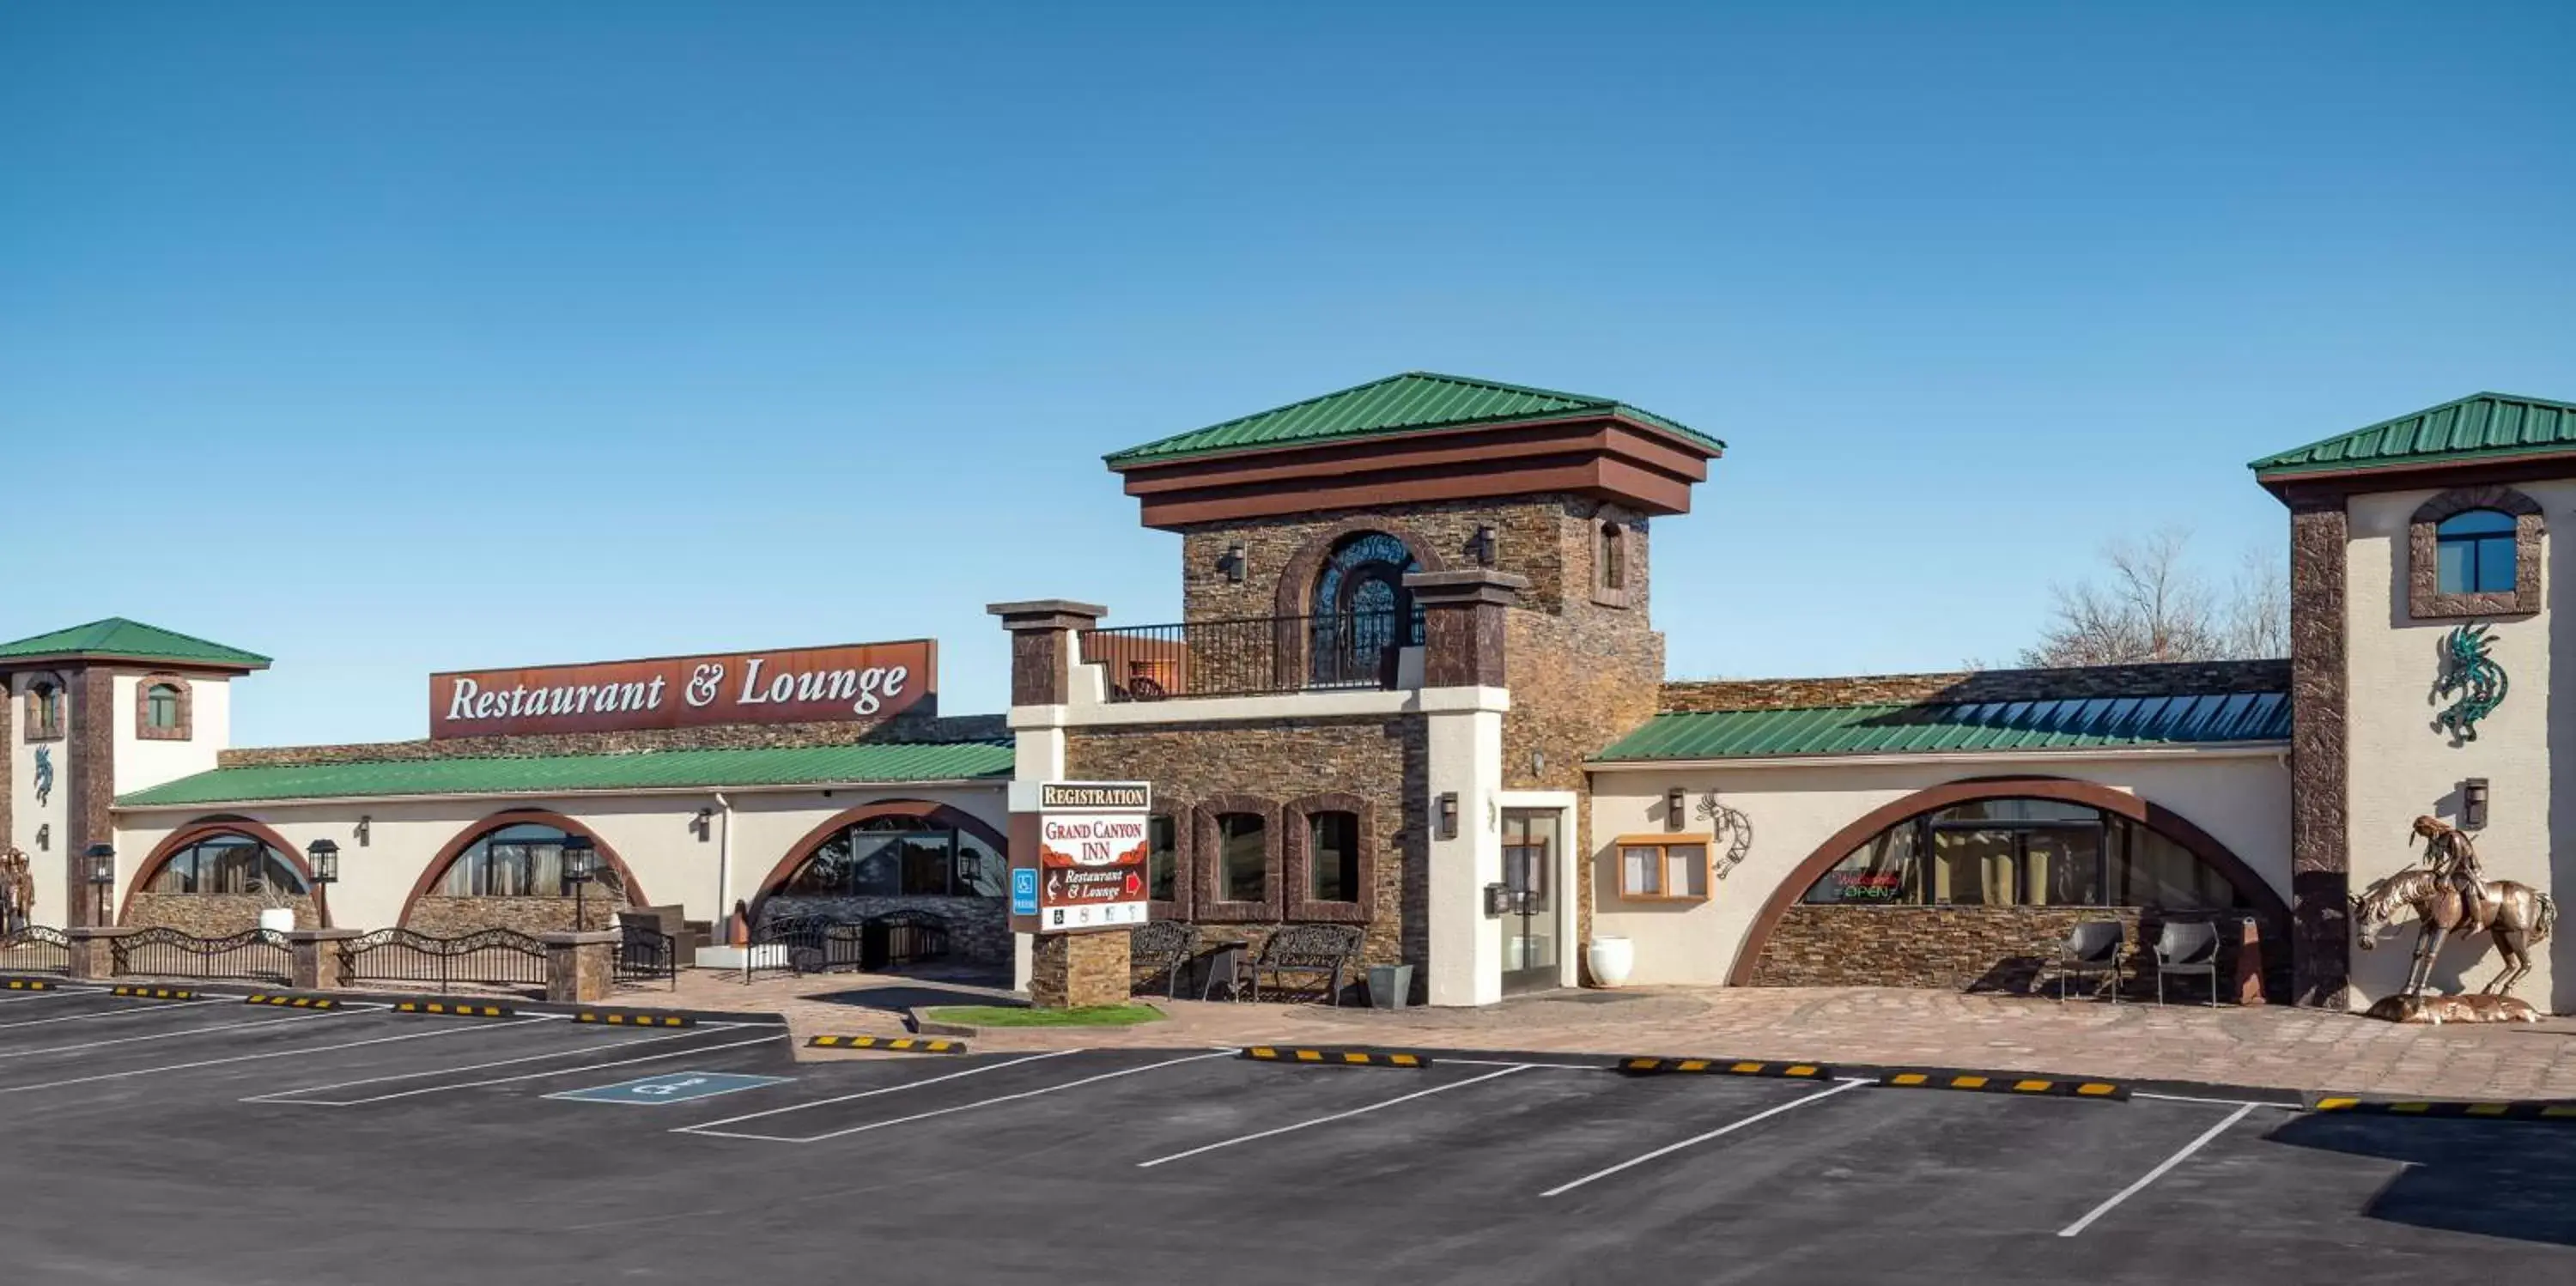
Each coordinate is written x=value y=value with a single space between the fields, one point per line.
x=2273 y=1046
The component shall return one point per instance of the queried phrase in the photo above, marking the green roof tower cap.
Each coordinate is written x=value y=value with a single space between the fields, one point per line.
x=1413 y=401
x=118 y=639
x=2480 y=428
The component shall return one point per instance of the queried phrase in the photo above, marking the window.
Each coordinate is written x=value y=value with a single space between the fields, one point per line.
x=228 y=862
x=2022 y=852
x=1162 y=859
x=2475 y=552
x=1614 y=557
x=161 y=706
x=1243 y=857
x=520 y=860
x=899 y=856
x=1663 y=868
x=1333 y=857
x=44 y=711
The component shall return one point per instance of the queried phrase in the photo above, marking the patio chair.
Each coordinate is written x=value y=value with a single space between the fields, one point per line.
x=2187 y=947
x=2093 y=949
x=1162 y=947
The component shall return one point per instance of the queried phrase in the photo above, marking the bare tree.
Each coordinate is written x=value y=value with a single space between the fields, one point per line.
x=2152 y=607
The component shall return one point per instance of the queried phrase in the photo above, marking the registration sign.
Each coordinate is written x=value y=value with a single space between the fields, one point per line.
x=1093 y=846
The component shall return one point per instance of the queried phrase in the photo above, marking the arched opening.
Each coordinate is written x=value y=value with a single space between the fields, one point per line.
x=1998 y=857
x=1359 y=612
x=215 y=876
x=894 y=855
x=506 y=872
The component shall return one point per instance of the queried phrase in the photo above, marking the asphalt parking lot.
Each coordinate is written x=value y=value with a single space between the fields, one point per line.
x=217 y=1142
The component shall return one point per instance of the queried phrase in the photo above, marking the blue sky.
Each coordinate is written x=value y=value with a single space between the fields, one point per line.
x=391 y=338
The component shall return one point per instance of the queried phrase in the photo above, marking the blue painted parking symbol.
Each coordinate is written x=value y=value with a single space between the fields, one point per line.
x=1024 y=891
x=673 y=1087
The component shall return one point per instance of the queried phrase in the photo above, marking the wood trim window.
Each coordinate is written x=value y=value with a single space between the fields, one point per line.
x=1233 y=838
x=44 y=715
x=1331 y=844
x=1168 y=877
x=2429 y=598
x=1663 y=867
x=163 y=710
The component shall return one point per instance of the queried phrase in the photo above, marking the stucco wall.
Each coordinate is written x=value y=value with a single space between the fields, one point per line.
x=2402 y=765
x=140 y=763
x=2241 y=800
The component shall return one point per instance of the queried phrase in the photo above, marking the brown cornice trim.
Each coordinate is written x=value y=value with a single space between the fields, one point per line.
x=464 y=839
x=2147 y=813
x=1694 y=447
x=2338 y=483
x=223 y=824
x=1599 y=478
x=11 y=665
x=1441 y=452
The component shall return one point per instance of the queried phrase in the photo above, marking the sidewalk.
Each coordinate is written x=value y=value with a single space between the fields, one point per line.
x=2269 y=1046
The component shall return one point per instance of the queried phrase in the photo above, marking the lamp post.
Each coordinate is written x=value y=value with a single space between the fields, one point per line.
x=578 y=856
x=102 y=877
x=326 y=861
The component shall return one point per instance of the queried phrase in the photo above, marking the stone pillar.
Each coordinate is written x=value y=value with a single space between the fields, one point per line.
x=1462 y=625
x=580 y=967
x=314 y=959
x=1042 y=646
x=94 y=951
x=2320 y=746
x=1078 y=970
x=1045 y=653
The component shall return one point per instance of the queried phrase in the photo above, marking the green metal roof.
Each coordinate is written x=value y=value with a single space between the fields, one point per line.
x=1412 y=401
x=563 y=774
x=2483 y=426
x=117 y=638
x=2070 y=724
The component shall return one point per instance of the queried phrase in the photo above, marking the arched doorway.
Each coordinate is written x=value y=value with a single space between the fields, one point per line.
x=1360 y=613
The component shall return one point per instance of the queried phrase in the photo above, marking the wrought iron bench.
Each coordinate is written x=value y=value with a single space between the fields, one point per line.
x=1322 y=951
x=1162 y=947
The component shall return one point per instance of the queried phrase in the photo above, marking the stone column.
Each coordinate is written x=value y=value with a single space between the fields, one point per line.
x=2320 y=746
x=1078 y=970
x=1045 y=654
x=1042 y=646
x=314 y=959
x=1462 y=625
x=94 y=951
x=580 y=967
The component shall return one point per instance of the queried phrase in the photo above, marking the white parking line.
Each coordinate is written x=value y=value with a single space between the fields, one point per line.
x=147 y=1007
x=1696 y=1139
x=531 y=1076
x=888 y=1089
x=962 y=1107
x=578 y=1051
x=252 y=1058
x=56 y=993
x=2159 y=1172
x=1327 y=1120
x=162 y=1035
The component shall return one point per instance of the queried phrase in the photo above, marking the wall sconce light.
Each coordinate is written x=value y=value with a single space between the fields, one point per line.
x=704 y=824
x=2473 y=804
x=1233 y=563
x=1448 y=822
x=1484 y=546
x=326 y=861
x=45 y=837
x=1676 y=803
x=366 y=824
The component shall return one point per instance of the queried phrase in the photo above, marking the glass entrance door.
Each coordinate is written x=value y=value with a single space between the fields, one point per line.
x=1530 y=946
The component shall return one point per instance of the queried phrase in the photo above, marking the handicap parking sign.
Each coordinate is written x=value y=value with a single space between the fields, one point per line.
x=671 y=1087
x=1024 y=891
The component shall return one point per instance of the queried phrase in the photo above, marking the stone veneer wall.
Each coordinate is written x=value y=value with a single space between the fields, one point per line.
x=1979 y=947
x=907 y=727
x=208 y=915
x=2193 y=678
x=979 y=929
x=449 y=917
x=1384 y=761
x=1528 y=537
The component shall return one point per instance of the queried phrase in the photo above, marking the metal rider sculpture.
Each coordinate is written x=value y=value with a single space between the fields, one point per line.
x=17 y=891
x=2448 y=896
x=2474 y=675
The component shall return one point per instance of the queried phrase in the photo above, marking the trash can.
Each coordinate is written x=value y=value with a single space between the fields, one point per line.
x=1389 y=985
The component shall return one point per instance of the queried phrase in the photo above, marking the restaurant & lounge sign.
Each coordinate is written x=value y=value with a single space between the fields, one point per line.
x=860 y=682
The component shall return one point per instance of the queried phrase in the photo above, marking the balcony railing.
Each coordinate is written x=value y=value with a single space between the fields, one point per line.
x=1253 y=656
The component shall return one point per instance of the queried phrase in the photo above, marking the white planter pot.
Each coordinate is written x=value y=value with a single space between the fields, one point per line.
x=1612 y=959
x=280 y=919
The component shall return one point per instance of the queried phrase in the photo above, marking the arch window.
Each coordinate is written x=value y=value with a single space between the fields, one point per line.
x=1361 y=611
x=161 y=706
x=899 y=856
x=44 y=710
x=226 y=862
x=519 y=860
x=2023 y=852
x=2474 y=552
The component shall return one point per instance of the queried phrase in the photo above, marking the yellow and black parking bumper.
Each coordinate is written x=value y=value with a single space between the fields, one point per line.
x=25 y=984
x=290 y=1002
x=1336 y=1056
x=2004 y=1083
x=898 y=1044
x=152 y=993
x=2453 y=1109
x=455 y=1009
x=1653 y=1065
x=633 y=1018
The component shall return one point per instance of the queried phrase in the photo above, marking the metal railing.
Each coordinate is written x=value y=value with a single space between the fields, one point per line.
x=646 y=954
x=164 y=952
x=34 y=948
x=487 y=957
x=1252 y=656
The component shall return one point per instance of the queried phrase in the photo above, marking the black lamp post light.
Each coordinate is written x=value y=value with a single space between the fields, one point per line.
x=580 y=860
x=326 y=861
x=102 y=877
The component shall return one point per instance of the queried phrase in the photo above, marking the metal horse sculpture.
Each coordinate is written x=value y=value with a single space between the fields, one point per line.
x=2468 y=671
x=2515 y=914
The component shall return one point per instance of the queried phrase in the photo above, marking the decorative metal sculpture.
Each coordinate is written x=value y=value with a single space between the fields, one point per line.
x=1728 y=828
x=44 y=774
x=2469 y=671
x=17 y=891
x=2448 y=897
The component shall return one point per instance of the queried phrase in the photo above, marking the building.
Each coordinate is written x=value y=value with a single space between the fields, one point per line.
x=1416 y=689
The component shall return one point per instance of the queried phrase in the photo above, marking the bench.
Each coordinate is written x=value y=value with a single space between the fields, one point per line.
x=1161 y=947
x=1319 y=951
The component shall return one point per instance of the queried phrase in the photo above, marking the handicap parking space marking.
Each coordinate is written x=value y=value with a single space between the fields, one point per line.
x=1327 y=1119
x=252 y=1058
x=2162 y=1169
x=487 y=1082
x=711 y=1127
x=1697 y=1139
x=671 y=1087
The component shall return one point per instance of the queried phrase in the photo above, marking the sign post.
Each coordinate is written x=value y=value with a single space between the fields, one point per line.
x=1090 y=878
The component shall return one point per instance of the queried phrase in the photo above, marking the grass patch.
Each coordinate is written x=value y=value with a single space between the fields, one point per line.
x=1014 y=1016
